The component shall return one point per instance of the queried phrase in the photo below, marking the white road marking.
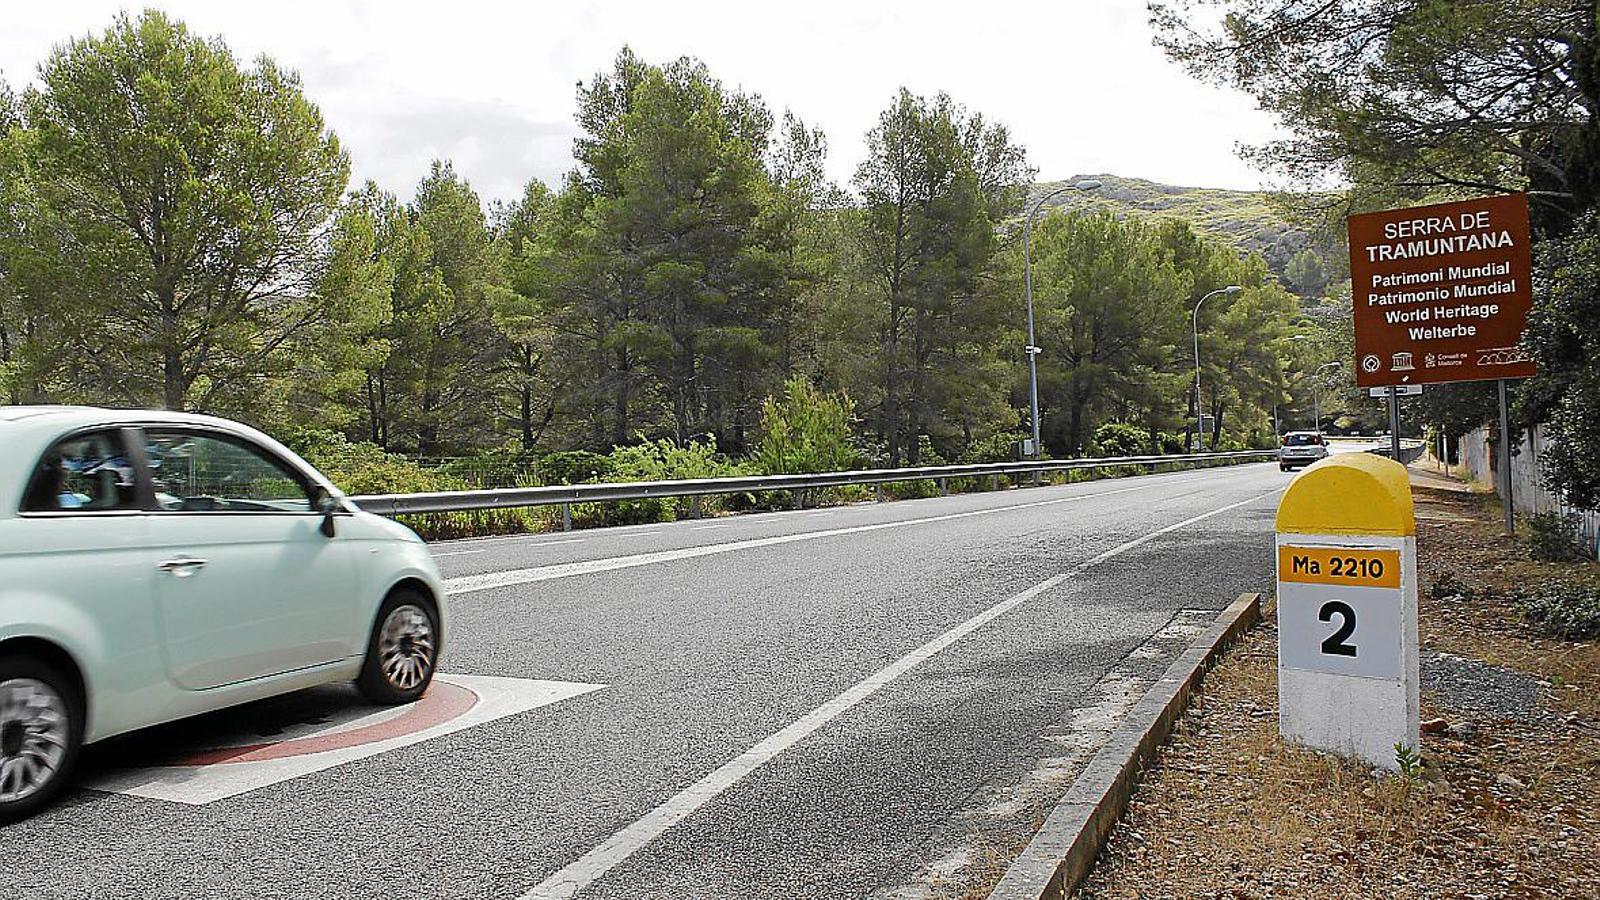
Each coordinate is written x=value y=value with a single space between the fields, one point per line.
x=553 y=543
x=457 y=553
x=201 y=784
x=590 y=867
x=467 y=584
x=718 y=525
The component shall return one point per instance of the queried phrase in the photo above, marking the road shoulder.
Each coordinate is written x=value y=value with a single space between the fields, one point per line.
x=1506 y=804
x=1065 y=846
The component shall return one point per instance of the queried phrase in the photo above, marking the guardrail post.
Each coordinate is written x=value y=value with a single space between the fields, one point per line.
x=694 y=507
x=994 y=482
x=1037 y=477
x=944 y=487
x=799 y=498
x=566 y=517
x=877 y=491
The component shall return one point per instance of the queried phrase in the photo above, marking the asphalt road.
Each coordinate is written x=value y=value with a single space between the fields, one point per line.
x=866 y=701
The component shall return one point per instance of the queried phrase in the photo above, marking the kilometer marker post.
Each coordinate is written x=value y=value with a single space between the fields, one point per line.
x=1347 y=609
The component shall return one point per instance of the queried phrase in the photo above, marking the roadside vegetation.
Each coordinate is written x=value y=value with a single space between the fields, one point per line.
x=178 y=229
x=803 y=430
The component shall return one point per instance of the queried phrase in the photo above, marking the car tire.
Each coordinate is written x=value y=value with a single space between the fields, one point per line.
x=41 y=732
x=402 y=651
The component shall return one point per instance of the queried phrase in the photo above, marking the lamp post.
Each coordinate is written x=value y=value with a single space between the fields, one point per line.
x=1316 y=406
x=1027 y=281
x=1199 y=410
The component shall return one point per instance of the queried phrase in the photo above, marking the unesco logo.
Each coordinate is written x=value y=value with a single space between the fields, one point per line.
x=1371 y=363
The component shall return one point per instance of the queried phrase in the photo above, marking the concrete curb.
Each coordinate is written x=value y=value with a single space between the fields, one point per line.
x=1064 y=849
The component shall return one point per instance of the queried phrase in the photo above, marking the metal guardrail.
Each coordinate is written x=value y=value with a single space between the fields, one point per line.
x=552 y=495
x=1410 y=451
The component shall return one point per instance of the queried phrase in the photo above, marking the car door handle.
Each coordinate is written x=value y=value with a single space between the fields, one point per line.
x=182 y=566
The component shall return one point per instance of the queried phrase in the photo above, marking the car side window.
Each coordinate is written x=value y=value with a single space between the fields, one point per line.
x=199 y=472
x=85 y=473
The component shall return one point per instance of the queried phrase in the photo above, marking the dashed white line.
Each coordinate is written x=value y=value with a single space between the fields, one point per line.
x=457 y=553
x=590 y=867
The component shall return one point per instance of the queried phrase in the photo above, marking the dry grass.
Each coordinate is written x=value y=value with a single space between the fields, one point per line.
x=1514 y=811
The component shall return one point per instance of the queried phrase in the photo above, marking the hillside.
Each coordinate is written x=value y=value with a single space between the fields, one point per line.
x=1246 y=219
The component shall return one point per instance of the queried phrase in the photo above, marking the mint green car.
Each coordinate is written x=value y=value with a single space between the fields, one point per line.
x=156 y=565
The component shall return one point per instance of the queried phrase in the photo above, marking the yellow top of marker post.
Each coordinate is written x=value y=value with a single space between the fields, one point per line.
x=1349 y=493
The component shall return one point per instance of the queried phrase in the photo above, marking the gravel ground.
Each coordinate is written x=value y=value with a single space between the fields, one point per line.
x=1507 y=806
x=1472 y=686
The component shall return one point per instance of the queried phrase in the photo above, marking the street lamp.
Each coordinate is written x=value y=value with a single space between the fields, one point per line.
x=1027 y=280
x=1316 y=406
x=1199 y=411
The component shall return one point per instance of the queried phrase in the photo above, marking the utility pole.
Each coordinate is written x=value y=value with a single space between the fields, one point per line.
x=1032 y=349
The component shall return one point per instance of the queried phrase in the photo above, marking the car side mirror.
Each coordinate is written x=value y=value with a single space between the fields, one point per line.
x=329 y=506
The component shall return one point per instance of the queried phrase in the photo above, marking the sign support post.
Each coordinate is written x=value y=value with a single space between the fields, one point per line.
x=1347 y=610
x=1394 y=424
x=1505 y=461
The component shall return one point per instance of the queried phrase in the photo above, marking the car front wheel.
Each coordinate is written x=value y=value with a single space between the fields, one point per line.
x=402 y=651
x=41 y=728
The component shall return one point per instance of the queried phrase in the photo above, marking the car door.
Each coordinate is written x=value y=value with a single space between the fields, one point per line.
x=247 y=584
x=76 y=555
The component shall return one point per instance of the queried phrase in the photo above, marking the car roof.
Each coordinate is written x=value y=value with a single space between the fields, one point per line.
x=17 y=413
x=77 y=416
x=26 y=430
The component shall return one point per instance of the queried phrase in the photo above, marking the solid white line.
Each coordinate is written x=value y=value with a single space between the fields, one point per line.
x=467 y=584
x=458 y=553
x=587 y=869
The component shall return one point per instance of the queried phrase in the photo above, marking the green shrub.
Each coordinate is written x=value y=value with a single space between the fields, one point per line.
x=575 y=467
x=1565 y=610
x=805 y=430
x=1002 y=446
x=505 y=466
x=357 y=467
x=1171 y=443
x=665 y=460
x=1561 y=608
x=363 y=468
x=1556 y=538
x=1121 y=439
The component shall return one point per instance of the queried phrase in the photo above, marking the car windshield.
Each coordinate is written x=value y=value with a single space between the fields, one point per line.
x=1302 y=440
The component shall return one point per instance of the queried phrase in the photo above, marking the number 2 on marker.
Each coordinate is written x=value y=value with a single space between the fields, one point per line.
x=1336 y=644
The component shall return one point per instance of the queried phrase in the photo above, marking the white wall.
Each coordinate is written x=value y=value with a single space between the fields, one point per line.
x=1527 y=488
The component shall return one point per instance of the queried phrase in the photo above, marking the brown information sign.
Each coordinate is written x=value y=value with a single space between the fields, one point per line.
x=1441 y=293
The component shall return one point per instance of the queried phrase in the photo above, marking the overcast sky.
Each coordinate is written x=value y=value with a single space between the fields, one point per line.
x=491 y=85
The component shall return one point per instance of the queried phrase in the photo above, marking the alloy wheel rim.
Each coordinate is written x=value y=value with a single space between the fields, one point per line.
x=34 y=723
x=405 y=647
